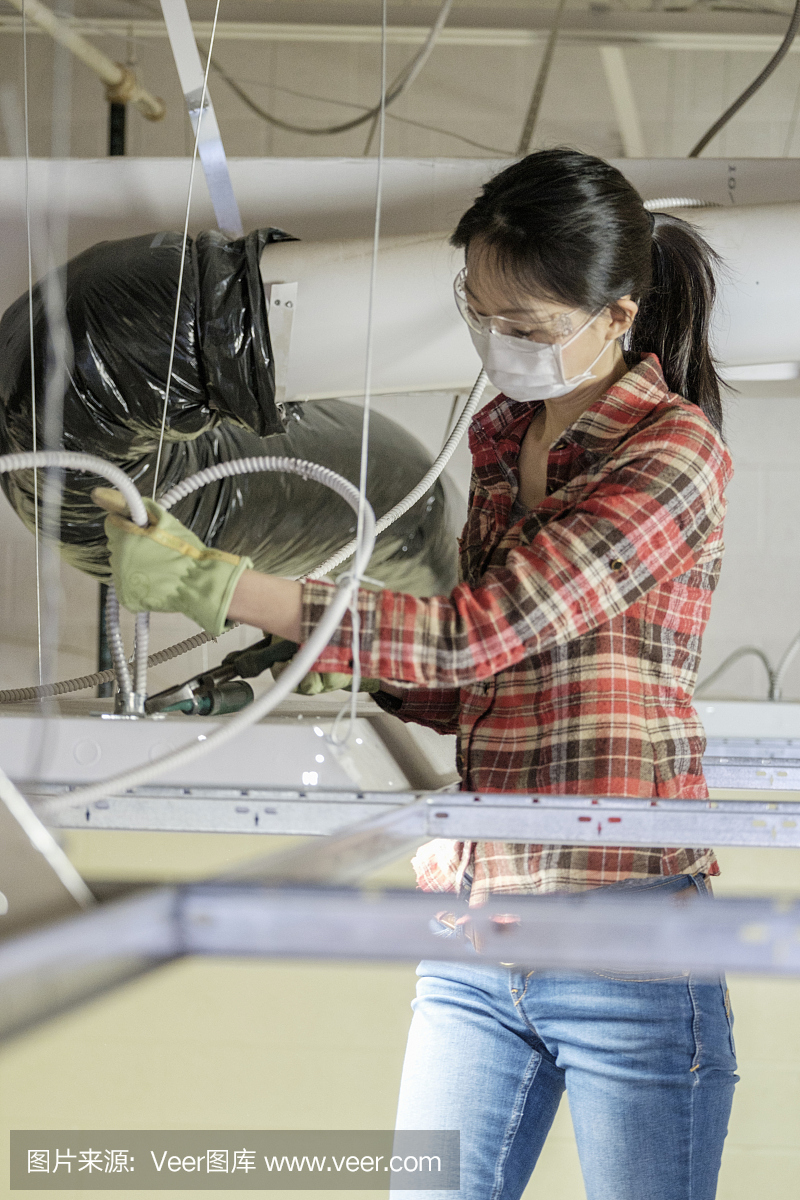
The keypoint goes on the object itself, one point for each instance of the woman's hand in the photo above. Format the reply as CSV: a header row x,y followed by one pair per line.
x,y
163,567
317,682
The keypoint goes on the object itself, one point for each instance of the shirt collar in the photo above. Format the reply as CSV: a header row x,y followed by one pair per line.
x,y
601,427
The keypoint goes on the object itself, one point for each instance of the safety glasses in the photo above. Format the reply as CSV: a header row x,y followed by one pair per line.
x,y
549,329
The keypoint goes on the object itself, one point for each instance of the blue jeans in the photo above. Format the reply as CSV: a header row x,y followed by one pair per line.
x,y
648,1063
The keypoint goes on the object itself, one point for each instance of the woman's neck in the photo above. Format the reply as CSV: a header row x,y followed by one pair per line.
x,y
562,412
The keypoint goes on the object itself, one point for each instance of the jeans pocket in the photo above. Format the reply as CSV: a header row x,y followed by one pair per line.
x,y
643,976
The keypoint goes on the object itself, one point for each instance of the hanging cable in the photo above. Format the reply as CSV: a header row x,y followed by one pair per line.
x,y
730,661
58,354
792,126
355,576
788,657
775,675
390,116
143,621
174,339
759,81
388,96
34,436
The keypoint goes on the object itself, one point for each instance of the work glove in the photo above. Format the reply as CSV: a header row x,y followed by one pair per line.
x,y
165,568
317,682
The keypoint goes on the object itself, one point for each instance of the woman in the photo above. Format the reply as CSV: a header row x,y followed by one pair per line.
x,y
565,661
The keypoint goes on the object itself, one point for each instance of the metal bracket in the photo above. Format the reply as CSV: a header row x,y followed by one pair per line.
x,y
281,304
209,146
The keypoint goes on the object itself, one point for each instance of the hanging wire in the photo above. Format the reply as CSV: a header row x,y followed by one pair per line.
x,y
368,356
790,132
142,638
390,116
775,675
399,85
751,89
35,434
58,358
184,243
788,657
730,661
271,119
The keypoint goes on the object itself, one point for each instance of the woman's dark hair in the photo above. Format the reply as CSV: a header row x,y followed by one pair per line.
x,y
570,227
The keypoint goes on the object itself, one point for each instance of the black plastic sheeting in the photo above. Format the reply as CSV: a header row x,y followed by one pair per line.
x,y
120,304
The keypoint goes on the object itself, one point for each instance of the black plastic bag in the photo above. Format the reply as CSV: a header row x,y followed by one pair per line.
x,y
120,302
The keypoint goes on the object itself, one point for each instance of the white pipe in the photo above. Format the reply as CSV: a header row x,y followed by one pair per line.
x,y
422,344
759,286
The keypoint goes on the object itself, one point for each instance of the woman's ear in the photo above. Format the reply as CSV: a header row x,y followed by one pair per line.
x,y
621,315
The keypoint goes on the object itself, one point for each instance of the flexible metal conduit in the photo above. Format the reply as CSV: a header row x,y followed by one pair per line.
x,y
83,682
677,202
299,666
92,465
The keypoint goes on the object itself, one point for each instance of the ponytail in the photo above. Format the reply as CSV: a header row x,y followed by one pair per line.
x,y
674,315
570,227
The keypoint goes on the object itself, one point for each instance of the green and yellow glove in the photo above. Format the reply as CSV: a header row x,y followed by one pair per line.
x,y
317,682
165,568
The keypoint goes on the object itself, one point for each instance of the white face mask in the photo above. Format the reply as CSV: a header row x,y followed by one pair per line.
x,y
525,370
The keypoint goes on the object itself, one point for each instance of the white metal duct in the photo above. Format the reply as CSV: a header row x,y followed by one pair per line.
x,y
421,343
760,286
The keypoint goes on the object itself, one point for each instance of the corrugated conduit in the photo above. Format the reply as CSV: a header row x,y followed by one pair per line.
x,y
83,682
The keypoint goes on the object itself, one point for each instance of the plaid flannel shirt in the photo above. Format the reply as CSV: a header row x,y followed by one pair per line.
x,y
566,659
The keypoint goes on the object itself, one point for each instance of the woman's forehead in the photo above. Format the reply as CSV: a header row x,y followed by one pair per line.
x,y
491,288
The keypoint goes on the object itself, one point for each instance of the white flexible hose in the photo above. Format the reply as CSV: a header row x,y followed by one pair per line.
x,y
299,666
83,682
424,485
73,461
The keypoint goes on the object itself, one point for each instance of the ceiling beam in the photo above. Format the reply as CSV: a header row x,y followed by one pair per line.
x,y
409,35
622,98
